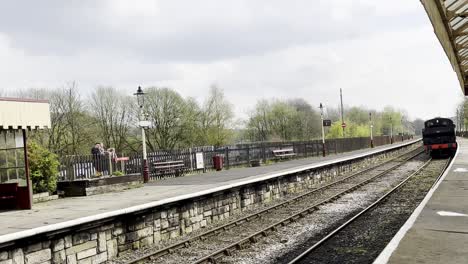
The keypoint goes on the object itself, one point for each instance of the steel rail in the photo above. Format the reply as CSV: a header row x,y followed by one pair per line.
x,y
185,243
212,258
355,217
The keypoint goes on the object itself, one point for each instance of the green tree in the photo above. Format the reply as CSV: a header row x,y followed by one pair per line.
x,y
258,125
44,168
358,115
391,121
167,110
335,130
192,133
282,120
306,122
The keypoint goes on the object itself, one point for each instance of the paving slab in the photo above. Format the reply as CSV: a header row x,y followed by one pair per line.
x,y
61,213
437,232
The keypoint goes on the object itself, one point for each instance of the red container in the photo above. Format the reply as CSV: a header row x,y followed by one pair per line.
x,y
218,162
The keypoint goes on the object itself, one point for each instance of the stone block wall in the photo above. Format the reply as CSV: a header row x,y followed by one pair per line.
x,y
99,242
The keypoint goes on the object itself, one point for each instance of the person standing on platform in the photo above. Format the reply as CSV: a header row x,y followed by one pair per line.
x,y
96,152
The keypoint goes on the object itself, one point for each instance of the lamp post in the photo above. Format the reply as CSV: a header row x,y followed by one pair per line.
x,y
343,125
141,100
402,129
391,130
323,130
371,128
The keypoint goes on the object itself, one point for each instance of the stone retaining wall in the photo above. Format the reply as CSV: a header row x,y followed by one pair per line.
x,y
101,241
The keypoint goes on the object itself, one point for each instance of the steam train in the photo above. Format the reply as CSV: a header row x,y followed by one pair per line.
x,y
439,137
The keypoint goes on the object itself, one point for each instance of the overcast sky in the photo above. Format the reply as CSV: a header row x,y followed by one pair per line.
x,y
379,52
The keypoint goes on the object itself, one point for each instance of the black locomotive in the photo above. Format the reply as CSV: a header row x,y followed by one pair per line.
x,y
439,136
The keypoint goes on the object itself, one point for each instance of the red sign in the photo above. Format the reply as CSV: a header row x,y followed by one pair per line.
x,y
343,125
122,159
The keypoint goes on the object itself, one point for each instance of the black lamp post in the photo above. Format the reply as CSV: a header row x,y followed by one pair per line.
x,y
141,100
391,130
323,130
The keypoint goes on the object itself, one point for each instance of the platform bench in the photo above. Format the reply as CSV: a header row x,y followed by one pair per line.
x,y
283,153
8,195
174,167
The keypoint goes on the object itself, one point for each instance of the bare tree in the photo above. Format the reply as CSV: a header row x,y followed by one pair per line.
x,y
112,111
69,121
216,118
34,93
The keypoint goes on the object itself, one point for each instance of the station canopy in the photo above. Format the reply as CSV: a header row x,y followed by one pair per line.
x,y
450,21
16,117
24,114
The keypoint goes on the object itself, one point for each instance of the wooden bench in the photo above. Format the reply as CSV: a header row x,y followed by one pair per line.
x,y
8,195
283,153
175,167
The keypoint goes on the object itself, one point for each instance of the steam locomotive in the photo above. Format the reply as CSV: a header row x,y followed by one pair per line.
x,y
439,137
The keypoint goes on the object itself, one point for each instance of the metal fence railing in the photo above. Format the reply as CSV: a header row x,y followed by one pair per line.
x,y
89,166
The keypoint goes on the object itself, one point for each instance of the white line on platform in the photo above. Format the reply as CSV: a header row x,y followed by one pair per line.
x,y
445,213
393,244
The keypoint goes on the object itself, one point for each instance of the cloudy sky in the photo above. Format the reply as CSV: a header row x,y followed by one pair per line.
x,y
379,52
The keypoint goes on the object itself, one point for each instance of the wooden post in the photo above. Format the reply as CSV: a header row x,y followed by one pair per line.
x,y
191,159
110,164
26,202
248,155
227,158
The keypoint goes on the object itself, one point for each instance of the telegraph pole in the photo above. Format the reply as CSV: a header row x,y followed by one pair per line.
x,y
323,130
343,125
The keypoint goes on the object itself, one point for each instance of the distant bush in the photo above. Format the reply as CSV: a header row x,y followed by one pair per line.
x,y
118,173
43,166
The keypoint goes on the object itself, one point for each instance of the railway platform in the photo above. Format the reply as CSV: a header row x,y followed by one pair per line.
x,y
76,210
98,228
437,231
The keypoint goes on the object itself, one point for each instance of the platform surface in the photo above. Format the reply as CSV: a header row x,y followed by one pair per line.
x,y
62,213
439,233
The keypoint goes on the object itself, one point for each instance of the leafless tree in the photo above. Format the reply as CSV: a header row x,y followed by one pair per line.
x,y
216,118
68,118
71,124
113,113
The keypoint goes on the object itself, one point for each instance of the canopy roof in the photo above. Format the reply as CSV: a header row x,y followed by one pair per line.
x,y
24,113
449,19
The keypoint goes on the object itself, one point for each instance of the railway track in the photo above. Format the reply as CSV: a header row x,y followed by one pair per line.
x,y
212,245
345,244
